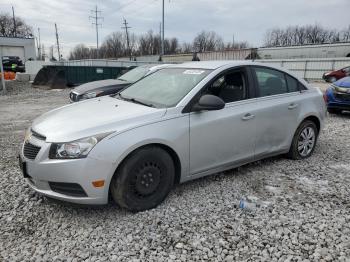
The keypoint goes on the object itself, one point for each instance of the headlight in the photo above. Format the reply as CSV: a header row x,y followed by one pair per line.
x,y
75,149
341,89
91,95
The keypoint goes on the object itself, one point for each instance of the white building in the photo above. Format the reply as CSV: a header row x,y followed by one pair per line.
x,y
21,47
305,51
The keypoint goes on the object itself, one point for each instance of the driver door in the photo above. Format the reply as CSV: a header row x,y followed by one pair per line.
x,y
224,138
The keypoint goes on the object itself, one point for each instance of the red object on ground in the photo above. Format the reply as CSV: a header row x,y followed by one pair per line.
x,y
8,75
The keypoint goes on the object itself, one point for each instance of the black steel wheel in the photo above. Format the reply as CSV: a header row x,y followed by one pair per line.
x,y
144,179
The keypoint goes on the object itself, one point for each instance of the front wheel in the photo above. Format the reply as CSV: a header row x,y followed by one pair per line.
x,y
304,141
144,179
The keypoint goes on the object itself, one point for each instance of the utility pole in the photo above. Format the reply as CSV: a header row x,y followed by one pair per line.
x,y
39,47
163,30
2,74
58,44
160,38
14,23
126,27
96,19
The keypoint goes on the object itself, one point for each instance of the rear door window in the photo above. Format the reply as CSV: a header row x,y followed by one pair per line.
x,y
270,81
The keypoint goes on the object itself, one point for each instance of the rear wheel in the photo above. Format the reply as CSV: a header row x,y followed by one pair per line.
x,y
304,141
144,179
333,111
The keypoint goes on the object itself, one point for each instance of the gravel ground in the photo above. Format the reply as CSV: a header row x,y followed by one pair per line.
x,y
307,218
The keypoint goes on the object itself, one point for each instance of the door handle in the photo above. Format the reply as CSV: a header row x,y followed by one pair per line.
x,y
292,106
248,117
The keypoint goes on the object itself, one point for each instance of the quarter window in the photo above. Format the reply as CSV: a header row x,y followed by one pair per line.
x,y
270,82
292,84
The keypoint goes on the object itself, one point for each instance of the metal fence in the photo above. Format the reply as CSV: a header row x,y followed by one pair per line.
x,y
104,63
309,69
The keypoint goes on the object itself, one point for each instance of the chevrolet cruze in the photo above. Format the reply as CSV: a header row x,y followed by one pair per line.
x,y
180,123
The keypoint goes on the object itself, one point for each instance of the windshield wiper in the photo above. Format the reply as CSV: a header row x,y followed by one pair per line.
x,y
121,79
135,101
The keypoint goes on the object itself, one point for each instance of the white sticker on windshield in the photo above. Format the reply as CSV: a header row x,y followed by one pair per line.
x,y
194,72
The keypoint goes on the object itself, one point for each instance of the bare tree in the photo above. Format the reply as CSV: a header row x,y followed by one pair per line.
x,y
114,46
186,48
300,35
81,51
8,29
208,41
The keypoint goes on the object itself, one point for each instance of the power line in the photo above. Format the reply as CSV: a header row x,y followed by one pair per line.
x,y
58,44
126,27
96,17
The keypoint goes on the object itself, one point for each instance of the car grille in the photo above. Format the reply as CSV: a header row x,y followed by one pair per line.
x,y
38,136
340,96
69,189
30,151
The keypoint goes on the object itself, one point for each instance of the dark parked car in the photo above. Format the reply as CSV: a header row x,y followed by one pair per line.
x,y
336,75
13,63
112,86
338,96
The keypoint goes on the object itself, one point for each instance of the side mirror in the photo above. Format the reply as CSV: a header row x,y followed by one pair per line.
x,y
209,102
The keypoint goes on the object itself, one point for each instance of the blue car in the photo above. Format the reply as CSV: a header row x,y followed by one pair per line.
x,y
337,96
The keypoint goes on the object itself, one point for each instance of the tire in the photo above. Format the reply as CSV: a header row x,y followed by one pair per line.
x,y
300,153
144,179
333,111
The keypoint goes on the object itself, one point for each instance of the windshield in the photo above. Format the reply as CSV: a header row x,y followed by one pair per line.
x,y
166,87
134,74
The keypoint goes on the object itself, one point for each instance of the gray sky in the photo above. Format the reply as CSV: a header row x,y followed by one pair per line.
x,y
247,20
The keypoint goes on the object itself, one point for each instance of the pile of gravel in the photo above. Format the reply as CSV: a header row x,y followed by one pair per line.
x,y
307,218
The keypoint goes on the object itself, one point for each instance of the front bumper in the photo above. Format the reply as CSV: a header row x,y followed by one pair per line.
x,y
335,103
42,171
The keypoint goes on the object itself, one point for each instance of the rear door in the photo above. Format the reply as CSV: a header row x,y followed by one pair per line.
x,y
224,137
277,109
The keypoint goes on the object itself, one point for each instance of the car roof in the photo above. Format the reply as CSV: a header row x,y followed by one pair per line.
x,y
159,66
213,64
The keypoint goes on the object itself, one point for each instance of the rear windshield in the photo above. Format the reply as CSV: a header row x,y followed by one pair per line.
x,y
134,74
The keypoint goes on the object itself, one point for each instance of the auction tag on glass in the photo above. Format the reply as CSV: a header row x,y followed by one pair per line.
x,y
194,72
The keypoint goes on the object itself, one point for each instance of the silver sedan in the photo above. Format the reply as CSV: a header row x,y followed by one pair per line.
x,y
180,123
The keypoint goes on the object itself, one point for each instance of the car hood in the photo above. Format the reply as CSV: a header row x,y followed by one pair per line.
x,y
344,82
92,117
95,85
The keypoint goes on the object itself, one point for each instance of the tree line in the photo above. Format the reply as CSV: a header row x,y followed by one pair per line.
x,y
115,45
308,34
